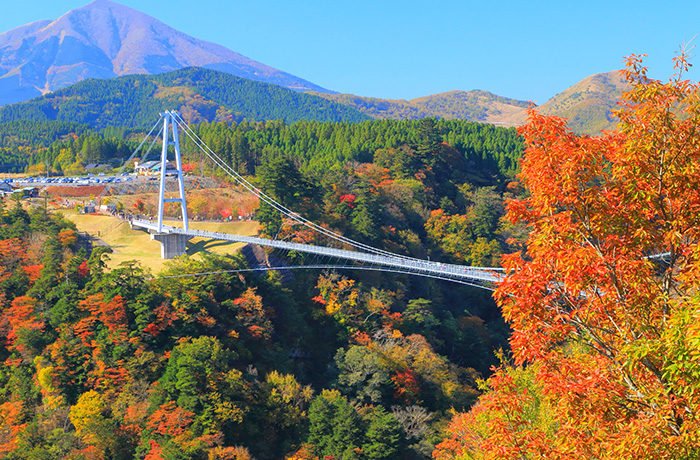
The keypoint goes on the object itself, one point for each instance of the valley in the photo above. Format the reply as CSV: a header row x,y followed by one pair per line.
x,y
504,297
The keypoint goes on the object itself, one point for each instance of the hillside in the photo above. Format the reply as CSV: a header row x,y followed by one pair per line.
x,y
474,105
199,94
208,95
205,358
105,40
588,104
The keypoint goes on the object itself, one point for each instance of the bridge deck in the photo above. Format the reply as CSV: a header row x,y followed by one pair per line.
x,y
460,272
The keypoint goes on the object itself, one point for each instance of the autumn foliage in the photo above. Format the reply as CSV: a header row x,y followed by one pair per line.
x,y
210,359
22,317
604,335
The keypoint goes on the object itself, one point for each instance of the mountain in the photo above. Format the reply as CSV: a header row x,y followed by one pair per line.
x,y
589,103
105,40
469,105
208,95
199,94
475,105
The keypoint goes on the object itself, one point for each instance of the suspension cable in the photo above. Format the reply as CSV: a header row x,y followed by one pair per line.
x,y
270,201
141,145
323,267
121,170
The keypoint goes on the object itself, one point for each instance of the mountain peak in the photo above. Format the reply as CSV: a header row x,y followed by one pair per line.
x,y
588,104
100,4
105,39
103,3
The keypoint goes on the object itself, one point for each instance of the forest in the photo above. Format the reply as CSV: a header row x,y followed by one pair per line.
x,y
588,348
135,101
490,154
126,363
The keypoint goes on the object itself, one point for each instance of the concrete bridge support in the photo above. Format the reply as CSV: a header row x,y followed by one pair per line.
x,y
171,244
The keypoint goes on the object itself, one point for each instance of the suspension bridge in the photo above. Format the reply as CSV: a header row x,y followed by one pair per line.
x,y
174,239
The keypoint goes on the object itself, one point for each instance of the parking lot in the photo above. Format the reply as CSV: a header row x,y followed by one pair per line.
x,y
84,180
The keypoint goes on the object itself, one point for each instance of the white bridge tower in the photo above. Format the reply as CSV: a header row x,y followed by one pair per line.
x,y
171,244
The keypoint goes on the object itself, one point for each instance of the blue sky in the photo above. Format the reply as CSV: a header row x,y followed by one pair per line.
x,y
528,50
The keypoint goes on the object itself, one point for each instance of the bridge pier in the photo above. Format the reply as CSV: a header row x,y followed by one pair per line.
x,y
171,244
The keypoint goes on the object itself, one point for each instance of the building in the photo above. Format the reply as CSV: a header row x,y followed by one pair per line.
x,y
152,168
30,192
145,168
103,166
6,189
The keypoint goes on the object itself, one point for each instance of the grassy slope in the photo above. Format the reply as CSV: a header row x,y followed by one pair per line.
x,y
136,245
469,105
588,104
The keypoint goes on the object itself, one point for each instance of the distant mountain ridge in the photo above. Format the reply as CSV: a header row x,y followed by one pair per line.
x,y
208,95
105,40
199,94
588,105
473,105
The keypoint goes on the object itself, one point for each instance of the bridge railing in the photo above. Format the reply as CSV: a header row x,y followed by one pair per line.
x,y
481,274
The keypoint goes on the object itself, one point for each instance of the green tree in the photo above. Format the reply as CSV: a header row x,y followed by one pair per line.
x,y
427,139
383,436
335,428
281,179
363,375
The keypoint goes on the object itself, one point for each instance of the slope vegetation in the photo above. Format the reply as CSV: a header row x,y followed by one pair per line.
x,y
200,94
474,105
588,104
